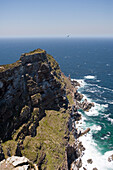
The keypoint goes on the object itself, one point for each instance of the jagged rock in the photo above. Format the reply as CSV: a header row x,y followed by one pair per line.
x,y
2,156
17,163
72,154
32,130
110,158
75,83
78,96
84,132
89,161
33,81
77,116
35,99
18,150
25,112
8,152
86,105
76,164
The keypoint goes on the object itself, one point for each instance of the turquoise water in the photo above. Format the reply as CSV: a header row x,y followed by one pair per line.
x,y
86,59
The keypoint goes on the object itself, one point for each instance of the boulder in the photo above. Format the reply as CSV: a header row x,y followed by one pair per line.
x,y
75,83
89,161
110,158
78,96
84,132
77,164
86,105
17,163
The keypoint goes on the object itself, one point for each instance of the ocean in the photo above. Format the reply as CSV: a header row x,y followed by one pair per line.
x,y
90,61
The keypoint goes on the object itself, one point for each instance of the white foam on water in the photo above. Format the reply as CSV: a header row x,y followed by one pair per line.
x,y
81,82
107,65
106,116
105,88
111,102
110,119
91,151
98,80
97,109
96,128
99,161
90,77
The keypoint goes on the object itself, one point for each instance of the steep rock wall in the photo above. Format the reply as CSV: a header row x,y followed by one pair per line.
x,y
33,83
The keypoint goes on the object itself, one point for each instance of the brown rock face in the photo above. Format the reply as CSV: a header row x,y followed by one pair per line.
x,y
35,82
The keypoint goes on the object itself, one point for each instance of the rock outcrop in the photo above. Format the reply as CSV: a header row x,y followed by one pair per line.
x,y
32,82
17,163
34,112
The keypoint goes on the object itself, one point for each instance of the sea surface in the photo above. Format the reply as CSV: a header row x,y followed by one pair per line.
x,y
90,61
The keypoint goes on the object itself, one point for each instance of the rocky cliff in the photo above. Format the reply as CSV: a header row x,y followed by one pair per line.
x,y
35,112
34,81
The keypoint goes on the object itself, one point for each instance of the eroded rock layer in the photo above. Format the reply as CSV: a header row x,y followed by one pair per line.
x,y
32,82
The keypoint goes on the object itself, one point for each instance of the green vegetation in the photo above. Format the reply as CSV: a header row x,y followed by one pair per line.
x,y
9,146
9,66
35,51
69,89
50,140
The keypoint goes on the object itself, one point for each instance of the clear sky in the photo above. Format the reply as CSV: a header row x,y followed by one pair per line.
x,y
34,18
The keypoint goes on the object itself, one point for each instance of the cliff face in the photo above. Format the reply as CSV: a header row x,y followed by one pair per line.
x,y
37,119
27,88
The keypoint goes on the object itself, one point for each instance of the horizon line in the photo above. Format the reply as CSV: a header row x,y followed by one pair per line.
x,y
66,36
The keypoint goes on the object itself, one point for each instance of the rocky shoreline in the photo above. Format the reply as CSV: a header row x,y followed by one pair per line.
x,y
75,118
88,162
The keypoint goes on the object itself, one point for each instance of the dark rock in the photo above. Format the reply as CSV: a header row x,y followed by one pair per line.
x,y
75,83
18,150
41,160
33,81
84,132
2,156
110,158
89,161
78,96
72,154
77,164
86,106
8,152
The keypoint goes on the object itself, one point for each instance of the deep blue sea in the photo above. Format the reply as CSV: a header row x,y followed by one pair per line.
x,y
90,61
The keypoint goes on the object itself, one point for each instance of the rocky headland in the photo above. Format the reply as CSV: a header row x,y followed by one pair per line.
x,y
38,115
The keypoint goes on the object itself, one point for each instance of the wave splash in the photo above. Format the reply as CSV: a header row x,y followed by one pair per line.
x,y
90,77
99,160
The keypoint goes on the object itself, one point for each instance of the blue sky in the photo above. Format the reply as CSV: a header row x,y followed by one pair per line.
x,y
44,18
